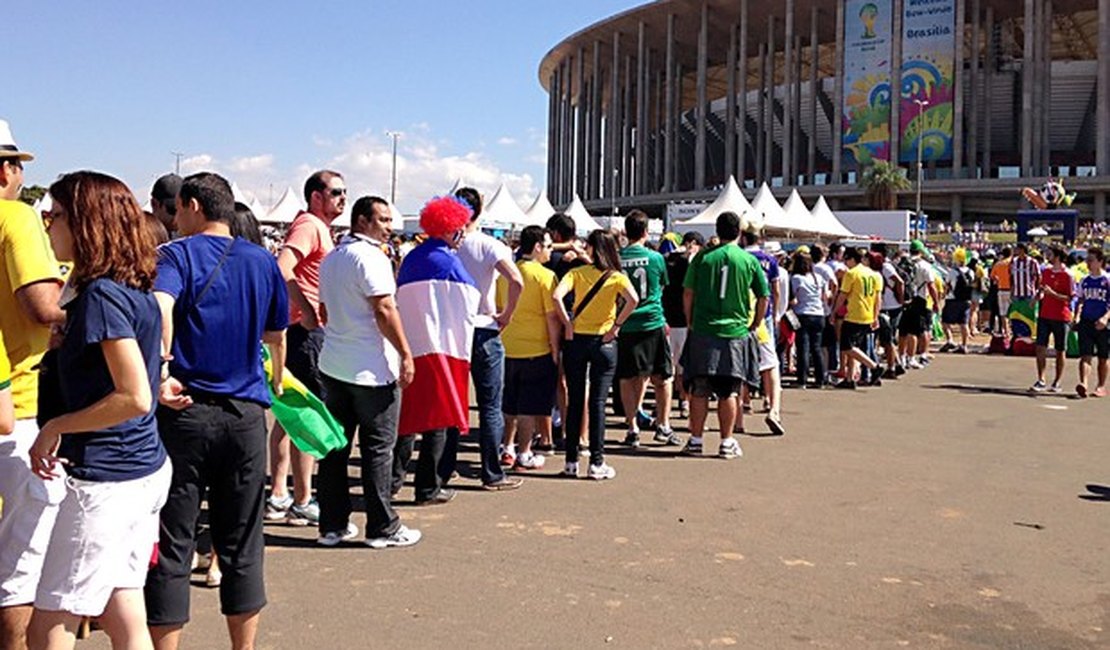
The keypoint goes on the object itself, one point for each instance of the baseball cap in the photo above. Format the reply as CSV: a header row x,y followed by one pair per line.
x,y
918,246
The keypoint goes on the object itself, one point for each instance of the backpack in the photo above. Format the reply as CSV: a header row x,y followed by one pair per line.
x,y
904,267
962,291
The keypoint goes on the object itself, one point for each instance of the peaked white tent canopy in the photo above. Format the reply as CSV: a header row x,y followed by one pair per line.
x,y
45,204
583,222
541,210
257,208
286,209
731,199
774,217
239,195
502,211
459,184
798,218
825,221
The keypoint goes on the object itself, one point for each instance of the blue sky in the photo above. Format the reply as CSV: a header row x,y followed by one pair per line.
x,y
267,92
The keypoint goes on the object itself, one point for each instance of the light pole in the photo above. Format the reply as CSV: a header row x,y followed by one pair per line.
x,y
393,173
921,104
613,194
177,162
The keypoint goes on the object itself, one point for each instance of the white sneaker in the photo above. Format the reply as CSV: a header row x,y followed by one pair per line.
x,y
730,449
337,537
914,364
277,509
404,536
692,448
602,472
529,460
570,470
1055,388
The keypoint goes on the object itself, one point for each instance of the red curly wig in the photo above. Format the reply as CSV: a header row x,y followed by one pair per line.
x,y
444,215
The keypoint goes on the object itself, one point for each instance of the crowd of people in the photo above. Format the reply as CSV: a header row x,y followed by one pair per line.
x,y
133,390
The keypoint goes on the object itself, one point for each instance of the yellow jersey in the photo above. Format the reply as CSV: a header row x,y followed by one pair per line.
x,y
599,316
526,335
862,288
25,258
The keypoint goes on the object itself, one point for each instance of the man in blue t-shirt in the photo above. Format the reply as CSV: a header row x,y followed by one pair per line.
x,y
1093,318
220,298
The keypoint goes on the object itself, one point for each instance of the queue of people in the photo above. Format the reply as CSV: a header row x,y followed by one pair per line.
x,y
132,388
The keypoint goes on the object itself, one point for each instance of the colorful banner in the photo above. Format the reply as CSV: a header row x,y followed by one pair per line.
x,y
928,74
868,28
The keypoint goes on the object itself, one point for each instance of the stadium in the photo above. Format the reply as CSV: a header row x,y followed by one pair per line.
x,y
663,103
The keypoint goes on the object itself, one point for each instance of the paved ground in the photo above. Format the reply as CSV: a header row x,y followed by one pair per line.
x,y
947,510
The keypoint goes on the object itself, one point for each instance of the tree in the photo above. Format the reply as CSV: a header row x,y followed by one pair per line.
x,y
881,181
30,195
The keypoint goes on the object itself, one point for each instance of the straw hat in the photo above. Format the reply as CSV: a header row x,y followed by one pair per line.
x,y
8,148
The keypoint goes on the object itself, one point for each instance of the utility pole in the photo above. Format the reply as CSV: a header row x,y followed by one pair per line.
x,y
921,104
177,161
393,183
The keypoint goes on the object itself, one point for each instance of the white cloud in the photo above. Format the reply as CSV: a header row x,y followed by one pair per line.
x,y
424,168
506,141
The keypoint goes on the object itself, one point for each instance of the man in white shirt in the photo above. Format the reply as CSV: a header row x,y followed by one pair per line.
x,y
485,258
365,364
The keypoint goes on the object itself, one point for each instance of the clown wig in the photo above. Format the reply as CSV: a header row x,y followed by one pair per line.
x,y
444,215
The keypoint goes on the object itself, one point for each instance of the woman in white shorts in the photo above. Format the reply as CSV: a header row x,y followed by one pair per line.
x,y
116,472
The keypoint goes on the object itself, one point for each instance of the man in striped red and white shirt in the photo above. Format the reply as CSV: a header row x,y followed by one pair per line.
x,y
1025,274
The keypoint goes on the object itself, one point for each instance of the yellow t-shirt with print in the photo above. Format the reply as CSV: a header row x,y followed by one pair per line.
x,y
5,366
862,288
526,335
598,316
25,258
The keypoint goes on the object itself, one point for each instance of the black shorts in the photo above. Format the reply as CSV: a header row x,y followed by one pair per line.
x,y
719,385
1058,329
955,312
218,446
643,354
888,325
303,357
529,386
854,335
1093,341
828,335
917,318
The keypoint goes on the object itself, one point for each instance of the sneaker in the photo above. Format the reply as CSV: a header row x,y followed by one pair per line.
x,y
508,457
570,470
404,536
1055,388
530,460
947,347
876,380
666,436
306,515
439,498
682,408
890,374
632,439
214,577
961,350
1099,392
775,425
277,509
845,384
693,447
644,420
914,364
601,472
1081,390
506,483
899,370
730,449
1038,387
337,537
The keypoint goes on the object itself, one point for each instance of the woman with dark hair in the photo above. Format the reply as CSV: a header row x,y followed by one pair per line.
x,y
591,344
245,225
116,470
809,293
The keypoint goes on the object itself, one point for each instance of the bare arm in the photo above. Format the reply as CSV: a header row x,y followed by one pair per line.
x,y
688,306
39,301
388,319
172,392
512,275
275,341
630,302
561,291
130,398
7,412
554,334
841,298
287,261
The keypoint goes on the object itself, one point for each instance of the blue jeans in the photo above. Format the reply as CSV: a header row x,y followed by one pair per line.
x,y
587,355
487,370
809,347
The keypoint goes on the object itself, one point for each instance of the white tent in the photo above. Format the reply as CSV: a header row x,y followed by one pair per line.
x,y
459,184
285,210
45,204
825,222
583,222
257,208
541,210
731,199
239,195
774,217
798,217
502,212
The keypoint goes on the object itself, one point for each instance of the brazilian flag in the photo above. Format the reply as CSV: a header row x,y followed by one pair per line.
x,y
303,416
1023,324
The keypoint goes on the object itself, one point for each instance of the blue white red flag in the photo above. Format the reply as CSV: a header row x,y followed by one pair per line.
x,y
438,301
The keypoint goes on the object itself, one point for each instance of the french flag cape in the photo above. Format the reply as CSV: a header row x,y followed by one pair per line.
x,y
437,300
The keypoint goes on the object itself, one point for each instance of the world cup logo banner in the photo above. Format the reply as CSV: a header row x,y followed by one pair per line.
x,y
867,67
928,79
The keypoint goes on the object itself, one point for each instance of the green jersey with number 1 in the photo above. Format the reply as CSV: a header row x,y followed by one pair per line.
x,y
723,281
648,272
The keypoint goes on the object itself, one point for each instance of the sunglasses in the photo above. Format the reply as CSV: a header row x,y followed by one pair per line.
x,y
336,192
